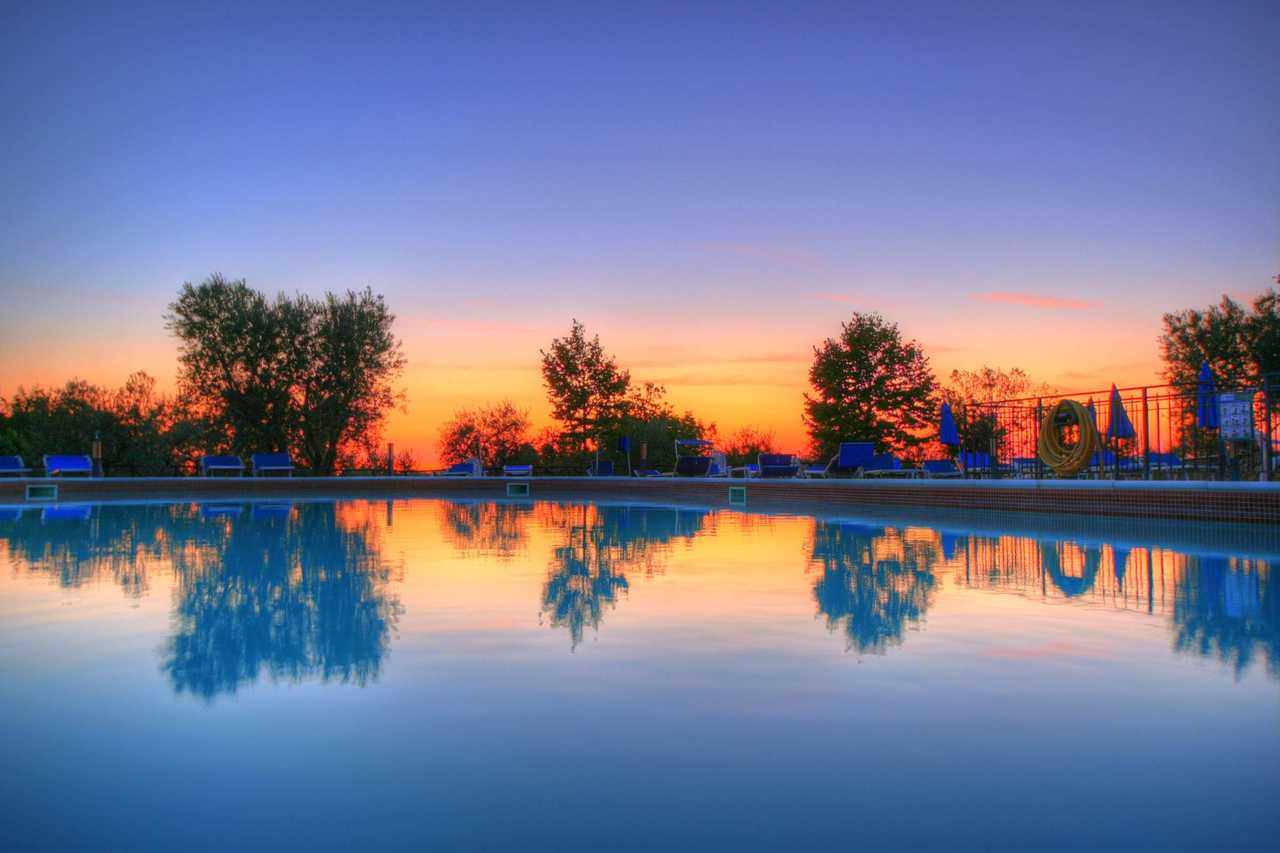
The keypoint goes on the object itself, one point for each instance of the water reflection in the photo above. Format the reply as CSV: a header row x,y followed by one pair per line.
x,y
301,591
599,544
291,591
875,582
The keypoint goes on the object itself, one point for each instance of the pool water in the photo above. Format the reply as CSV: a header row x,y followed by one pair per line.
x,y
521,675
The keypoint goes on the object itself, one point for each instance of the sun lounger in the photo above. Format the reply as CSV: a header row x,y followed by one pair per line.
x,y
266,463
59,465
886,465
778,465
719,466
209,464
692,466
853,458
13,465
467,468
937,468
601,468
517,470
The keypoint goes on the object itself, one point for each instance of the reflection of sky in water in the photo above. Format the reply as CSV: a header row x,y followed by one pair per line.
x,y
728,678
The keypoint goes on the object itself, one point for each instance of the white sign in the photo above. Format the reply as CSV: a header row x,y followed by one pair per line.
x,y
1235,416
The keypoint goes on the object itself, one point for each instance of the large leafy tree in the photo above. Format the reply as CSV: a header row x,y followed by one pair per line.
x,y
314,376
498,433
587,389
869,385
1240,342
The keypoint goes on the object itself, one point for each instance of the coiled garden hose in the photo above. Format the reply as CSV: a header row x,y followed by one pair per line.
x,y
1067,461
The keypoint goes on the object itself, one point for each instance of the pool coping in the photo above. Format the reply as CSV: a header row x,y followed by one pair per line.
x,y
1212,501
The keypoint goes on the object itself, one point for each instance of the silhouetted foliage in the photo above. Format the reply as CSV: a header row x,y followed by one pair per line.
x,y
1239,343
313,376
970,394
142,431
499,434
869,385
746,445
586,387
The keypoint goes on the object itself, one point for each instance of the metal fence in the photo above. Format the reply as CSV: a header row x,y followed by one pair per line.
x,y
1000,438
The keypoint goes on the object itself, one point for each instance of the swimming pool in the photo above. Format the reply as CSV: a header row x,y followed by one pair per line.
x,y
532,675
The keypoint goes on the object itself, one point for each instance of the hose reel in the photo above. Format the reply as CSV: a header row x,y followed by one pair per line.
x,y
1067,460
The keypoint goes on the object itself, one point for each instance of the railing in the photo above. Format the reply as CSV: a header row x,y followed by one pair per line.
x,y
1167,440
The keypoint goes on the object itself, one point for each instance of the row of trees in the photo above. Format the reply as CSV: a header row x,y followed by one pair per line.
x,y
315,377
867,383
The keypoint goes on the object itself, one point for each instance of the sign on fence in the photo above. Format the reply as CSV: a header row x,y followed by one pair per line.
x,y
1235,416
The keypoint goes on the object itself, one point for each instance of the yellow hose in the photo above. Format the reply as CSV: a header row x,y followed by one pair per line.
x,y
1067,461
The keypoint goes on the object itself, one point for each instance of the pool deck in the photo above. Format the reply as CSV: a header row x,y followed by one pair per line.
x,y
1253,503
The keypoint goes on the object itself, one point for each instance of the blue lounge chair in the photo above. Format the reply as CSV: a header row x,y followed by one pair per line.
x,y
57,465
264,463
778,465
885,465
853,458
940,468
467,468
209,464
517,470
975,461
693,466
719,465
751,469
696,464
601,468
813,469
13,465
648,472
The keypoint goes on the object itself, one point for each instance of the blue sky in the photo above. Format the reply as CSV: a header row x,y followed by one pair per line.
x,y
699,185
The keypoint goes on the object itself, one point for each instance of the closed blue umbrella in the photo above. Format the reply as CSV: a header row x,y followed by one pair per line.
x,y
947,432
1206,399
1120,426
1093,411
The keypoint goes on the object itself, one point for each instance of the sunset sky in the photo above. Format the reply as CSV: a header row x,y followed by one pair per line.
x,y
711,189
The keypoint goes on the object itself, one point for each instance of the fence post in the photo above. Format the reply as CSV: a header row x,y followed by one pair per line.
x,y
1036,433
1267,449
391,460
1146,437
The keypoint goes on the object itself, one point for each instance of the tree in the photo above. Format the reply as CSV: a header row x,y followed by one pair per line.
x,y
1240,344
970,394
312,376
746,445
587,389
869,385
498,433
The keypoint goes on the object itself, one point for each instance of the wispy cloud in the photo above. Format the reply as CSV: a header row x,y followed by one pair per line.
x,y
708,378
1033,300
699,359
781,256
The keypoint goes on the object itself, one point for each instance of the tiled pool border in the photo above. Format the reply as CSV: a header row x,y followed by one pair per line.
x,y
1253,503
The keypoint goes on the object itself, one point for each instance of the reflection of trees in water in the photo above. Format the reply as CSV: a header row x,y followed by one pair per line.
x,y
293,592
487,528
600,544
78,545
295,596
1230,610
874,582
